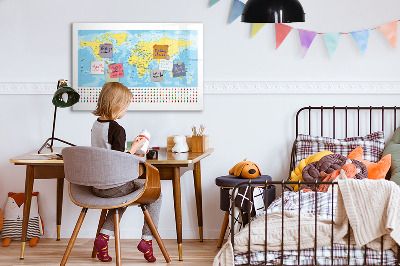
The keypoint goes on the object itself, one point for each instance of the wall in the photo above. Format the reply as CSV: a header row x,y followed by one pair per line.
x,y
36,48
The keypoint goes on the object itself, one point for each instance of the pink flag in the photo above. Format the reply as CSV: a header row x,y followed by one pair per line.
x,y
281,31
389,30
306,39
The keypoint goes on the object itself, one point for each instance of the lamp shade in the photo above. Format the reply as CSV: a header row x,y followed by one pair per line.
x,y
273,11
65,96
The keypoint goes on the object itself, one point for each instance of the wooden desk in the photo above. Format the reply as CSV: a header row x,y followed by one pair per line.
x,y
171,167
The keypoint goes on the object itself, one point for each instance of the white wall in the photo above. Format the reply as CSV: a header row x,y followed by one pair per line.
x,y
35,40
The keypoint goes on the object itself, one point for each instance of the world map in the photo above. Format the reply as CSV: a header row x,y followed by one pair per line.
x,y
135,50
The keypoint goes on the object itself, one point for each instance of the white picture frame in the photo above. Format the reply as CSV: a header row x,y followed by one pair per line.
x,y
174,93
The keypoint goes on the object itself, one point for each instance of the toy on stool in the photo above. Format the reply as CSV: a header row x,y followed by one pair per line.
x,y
245,169
13,215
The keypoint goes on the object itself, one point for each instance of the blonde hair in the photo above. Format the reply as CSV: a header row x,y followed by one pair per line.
x,y
113,98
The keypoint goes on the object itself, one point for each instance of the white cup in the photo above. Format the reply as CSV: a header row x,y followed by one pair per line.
x,y
144,134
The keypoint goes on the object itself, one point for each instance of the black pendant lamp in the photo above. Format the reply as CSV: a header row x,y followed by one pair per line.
x,y
273,11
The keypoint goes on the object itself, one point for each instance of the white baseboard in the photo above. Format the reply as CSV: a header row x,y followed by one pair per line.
x,y
247,87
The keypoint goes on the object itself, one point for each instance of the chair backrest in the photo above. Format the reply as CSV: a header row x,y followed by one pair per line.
x,y
92,166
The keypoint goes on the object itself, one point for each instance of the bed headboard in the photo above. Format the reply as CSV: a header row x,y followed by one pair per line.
x,y
344,121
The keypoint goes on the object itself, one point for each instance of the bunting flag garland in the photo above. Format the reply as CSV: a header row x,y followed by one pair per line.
x,y
361,37
281,31
389,30
332,41
213,2
306,39
237,9
256,27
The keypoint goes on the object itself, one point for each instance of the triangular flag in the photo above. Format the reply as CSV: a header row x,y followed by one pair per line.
x,y
256,27
390,32
332,41
281,31
237,9
213,2
306,39
361,37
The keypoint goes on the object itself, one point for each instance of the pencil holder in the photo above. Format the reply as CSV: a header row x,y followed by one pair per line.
x,y
200,143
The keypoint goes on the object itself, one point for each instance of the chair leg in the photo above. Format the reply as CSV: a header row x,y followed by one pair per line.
x,y
117,238
73,237
154,230
223,229
101,222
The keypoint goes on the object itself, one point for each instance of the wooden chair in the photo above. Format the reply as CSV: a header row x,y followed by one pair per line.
x,y
85,167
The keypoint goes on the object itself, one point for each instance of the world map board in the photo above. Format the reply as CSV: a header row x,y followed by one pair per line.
x,y
160,63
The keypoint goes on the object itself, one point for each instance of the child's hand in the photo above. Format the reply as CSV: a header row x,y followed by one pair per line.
x,y
137,144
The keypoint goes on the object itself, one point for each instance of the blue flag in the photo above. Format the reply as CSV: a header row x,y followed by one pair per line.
x,y
213,2
332,41
237,9
361,38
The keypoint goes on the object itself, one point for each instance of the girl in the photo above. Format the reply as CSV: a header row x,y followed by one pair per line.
x,y
112,104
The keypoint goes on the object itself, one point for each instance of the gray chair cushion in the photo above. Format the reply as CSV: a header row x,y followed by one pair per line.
x,y
84,196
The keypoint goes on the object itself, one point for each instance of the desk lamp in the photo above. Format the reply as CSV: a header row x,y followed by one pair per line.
x,y
273,11
63,97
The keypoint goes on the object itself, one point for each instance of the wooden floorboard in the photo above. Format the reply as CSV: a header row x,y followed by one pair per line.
x,y
50,252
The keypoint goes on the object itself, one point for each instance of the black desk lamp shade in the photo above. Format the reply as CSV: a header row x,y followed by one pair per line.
x,y
59,99
63,97
273,11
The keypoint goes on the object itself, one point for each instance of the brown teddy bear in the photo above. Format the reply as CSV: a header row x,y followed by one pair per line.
x,y
245,169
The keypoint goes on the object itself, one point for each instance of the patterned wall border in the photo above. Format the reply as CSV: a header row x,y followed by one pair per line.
x,y
251,87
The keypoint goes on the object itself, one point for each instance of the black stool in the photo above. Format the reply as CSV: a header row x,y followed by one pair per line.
x,y
226,183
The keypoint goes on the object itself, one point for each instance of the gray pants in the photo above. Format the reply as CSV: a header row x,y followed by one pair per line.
x,y
154,208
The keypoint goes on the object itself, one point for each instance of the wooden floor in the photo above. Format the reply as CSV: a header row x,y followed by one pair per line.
x,y
50,252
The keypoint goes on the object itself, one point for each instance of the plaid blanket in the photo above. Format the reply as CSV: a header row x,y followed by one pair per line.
x,y
340,254
323,205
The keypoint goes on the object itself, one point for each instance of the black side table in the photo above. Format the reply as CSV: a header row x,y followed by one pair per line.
x,y
226,183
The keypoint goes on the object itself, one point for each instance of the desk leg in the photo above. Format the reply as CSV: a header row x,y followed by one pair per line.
x,y
176,182
60,190
199,204
27,206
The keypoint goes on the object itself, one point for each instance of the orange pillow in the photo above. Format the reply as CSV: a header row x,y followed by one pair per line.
x,y
375,170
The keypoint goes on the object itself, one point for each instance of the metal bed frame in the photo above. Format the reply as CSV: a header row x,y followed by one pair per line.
x,y
284,184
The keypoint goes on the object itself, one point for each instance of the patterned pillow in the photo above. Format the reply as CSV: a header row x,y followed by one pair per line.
x,y
372,144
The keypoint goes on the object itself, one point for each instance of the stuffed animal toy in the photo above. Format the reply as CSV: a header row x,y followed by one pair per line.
x,y
245,169
180,144
13,215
